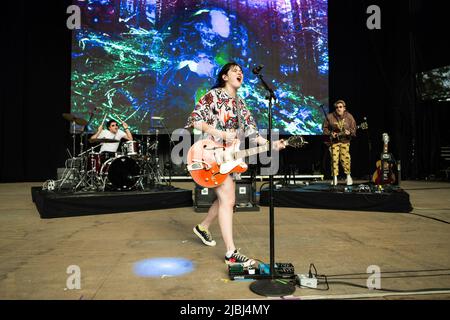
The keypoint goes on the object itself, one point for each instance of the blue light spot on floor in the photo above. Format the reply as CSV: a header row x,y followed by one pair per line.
x,y
159,267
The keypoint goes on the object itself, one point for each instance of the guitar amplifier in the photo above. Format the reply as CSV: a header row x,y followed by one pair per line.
x,y
244,195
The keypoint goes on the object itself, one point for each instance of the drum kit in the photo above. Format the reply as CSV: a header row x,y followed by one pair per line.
x,y
134,166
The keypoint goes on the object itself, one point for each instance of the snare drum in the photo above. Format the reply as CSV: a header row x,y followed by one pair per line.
x,y
132,148
121,173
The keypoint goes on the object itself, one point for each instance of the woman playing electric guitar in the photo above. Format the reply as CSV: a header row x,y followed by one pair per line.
x,y
221,114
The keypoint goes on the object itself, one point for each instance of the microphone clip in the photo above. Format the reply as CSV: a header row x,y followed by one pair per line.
x,y
257,70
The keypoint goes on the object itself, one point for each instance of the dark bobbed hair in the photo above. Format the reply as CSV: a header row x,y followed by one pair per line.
x,y
220,83
110,122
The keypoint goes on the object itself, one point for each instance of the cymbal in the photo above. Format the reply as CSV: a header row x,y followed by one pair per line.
x,y
103,141
70,117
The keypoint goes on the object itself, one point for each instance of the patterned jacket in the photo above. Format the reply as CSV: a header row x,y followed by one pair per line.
x,y
220,110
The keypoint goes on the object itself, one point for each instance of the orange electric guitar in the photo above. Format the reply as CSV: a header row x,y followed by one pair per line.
x,y
209,162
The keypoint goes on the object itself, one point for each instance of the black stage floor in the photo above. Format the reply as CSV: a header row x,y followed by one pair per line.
x,y
341,197
51,204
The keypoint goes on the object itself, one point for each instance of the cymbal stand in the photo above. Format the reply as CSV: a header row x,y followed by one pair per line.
x,y
74,137
147,164
150,164
81,141
89,179
71,170
147,146
157,177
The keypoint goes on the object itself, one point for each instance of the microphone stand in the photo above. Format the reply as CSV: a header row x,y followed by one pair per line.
x,y
270,286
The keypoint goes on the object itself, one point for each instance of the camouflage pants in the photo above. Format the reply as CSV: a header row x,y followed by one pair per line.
x,y
340,151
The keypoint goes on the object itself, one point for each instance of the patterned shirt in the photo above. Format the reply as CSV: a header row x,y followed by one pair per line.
x,y
220,110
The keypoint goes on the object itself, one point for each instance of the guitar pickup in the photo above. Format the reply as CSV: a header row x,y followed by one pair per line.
x,y
198,166
195,166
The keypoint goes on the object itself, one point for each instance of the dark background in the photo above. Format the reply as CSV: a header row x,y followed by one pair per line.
x,y
372,70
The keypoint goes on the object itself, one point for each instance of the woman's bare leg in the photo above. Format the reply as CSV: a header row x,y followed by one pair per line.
x,y
211,216
226,199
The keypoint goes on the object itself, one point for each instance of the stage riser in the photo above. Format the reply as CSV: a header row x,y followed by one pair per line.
x,y
57,205
395,201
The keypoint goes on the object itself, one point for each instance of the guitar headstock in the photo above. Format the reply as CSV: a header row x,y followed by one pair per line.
x,y
385,138
295,141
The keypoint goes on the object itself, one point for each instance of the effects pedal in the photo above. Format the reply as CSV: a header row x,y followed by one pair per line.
x,y
261,270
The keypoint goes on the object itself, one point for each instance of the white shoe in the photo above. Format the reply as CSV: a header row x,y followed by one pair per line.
x,y
334,182
349,180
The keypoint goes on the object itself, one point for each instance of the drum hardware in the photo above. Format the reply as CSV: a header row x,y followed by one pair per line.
x,y
71,173
162,124
74,121
77,170
150,160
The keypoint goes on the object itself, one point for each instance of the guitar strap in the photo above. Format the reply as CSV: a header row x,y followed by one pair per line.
x,y
339,122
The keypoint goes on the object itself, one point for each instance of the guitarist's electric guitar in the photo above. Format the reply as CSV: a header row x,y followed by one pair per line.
x,y
384,174
210,162
341,134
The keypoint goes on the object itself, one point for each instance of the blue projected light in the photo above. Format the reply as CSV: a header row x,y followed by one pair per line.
x,y
158,267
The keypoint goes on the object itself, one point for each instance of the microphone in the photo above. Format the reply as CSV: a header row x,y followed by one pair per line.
x,y
257,70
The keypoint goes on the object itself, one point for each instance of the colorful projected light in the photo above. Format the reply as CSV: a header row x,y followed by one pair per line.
x,y
136,59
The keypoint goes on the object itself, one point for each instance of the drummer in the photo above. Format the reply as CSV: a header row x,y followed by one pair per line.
x,y
113,133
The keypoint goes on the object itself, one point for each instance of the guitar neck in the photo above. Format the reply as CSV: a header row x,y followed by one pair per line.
x,y
251,151
361,126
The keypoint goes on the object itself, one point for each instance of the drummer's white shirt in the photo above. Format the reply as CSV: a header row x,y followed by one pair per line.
x,y
106,134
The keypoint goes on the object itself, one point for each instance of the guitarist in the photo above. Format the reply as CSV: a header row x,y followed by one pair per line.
x,y
223,116
340,127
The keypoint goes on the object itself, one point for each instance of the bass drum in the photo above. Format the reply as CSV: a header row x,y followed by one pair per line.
x,y
120,173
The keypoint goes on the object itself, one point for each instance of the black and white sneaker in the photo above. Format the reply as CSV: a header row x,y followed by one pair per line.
x,y
237,257
204,235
